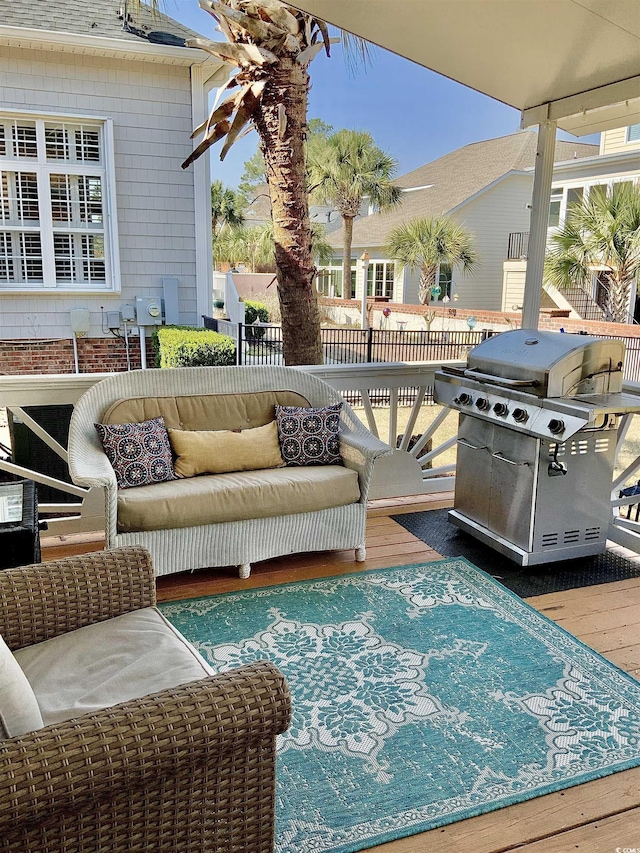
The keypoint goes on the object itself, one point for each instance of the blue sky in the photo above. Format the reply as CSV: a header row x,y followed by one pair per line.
x,y
412,113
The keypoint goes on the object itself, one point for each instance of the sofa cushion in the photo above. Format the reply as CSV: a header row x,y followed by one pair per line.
x,y
19,710
205,411
222,451
140,453
217,498
309,436
109,662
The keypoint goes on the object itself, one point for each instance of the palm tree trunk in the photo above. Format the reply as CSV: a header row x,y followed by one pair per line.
x,y
619,292
347,239
281,124
427,281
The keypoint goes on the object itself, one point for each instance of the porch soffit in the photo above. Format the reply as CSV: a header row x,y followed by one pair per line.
x,y
525,53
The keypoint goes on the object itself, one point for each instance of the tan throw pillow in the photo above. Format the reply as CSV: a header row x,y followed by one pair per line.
x,y
223,451
19,710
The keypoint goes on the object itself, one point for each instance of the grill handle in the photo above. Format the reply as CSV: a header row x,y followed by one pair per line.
x,y
472,373
472,446
502,458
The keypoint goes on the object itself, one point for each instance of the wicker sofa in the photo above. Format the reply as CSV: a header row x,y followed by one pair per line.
x,y
189,769
329,502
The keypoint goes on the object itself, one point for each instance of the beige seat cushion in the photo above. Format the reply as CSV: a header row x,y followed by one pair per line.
x,y
222,451
19,710
204,411
109,662
216,498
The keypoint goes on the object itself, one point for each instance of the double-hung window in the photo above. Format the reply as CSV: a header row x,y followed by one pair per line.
x,y
380,278
55,205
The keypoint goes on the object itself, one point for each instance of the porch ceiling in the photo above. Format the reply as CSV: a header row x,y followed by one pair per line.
x,y
579,57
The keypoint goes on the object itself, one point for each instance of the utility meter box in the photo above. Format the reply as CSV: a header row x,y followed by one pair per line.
x,y
148,312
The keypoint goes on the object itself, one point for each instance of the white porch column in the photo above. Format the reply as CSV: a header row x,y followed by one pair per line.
x,y
539,223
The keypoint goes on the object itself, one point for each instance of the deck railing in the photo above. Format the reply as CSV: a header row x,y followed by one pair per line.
x,y
423,435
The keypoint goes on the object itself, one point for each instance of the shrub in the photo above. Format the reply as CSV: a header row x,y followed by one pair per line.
x,y
255,311
185,346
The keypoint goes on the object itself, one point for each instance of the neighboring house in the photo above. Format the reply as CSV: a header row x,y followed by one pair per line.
x,y
95,120
258,211
486,186
618,160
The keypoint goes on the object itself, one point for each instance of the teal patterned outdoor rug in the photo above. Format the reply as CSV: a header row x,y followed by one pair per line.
x,y
422,695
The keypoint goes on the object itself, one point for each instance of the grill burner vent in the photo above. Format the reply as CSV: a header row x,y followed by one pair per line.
x,y
571,537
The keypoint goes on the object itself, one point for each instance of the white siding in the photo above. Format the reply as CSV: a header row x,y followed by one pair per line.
x,y
150,105
615,142
513,285
491,217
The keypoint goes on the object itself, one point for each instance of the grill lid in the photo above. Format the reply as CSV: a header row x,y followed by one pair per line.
x,y
549,364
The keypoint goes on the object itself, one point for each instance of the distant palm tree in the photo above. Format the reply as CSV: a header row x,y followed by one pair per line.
x,y
425,243
226,208
601,235
346,168
255,246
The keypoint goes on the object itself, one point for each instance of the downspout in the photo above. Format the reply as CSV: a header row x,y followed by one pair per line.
x,y
202,81
540,201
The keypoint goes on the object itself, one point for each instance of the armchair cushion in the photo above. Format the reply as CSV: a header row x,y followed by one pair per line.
x,y
139,453
104,664
19,711
224,451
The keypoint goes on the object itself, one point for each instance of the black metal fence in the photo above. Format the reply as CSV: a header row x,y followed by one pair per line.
x,y
632,356
262,344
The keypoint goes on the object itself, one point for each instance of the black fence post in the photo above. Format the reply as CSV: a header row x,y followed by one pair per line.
x,y
369,344
239,344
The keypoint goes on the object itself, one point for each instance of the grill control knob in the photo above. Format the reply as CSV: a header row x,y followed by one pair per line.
x,y
520,416
501,409
556,426
482,403
465,399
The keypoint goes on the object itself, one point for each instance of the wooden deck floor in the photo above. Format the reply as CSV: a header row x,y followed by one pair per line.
x,y
597,817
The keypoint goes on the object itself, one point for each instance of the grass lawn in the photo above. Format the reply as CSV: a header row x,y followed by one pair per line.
x,y
629,451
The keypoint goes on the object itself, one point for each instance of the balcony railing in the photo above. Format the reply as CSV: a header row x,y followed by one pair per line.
x,y
518,247
423,435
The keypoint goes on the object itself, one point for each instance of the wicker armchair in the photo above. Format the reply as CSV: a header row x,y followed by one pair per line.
x,y
187,769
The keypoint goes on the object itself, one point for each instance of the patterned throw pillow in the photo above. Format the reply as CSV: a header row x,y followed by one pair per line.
x,y
139,453
309,436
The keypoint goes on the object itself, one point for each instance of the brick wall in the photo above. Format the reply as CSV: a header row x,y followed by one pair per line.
x,y
95,355
551,320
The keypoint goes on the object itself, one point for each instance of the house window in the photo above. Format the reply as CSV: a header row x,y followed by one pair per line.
x,y
445,279
54,203
633,133
380,279
329,281
574,196
598,189
554,207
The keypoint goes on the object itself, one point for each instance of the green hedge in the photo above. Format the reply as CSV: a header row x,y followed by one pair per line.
x,y
186,346
255,311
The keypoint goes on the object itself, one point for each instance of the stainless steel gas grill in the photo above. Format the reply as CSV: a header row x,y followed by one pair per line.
x,y
539,416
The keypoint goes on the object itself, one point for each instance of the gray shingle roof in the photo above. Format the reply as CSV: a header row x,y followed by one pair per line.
x,y
88,17
454,178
